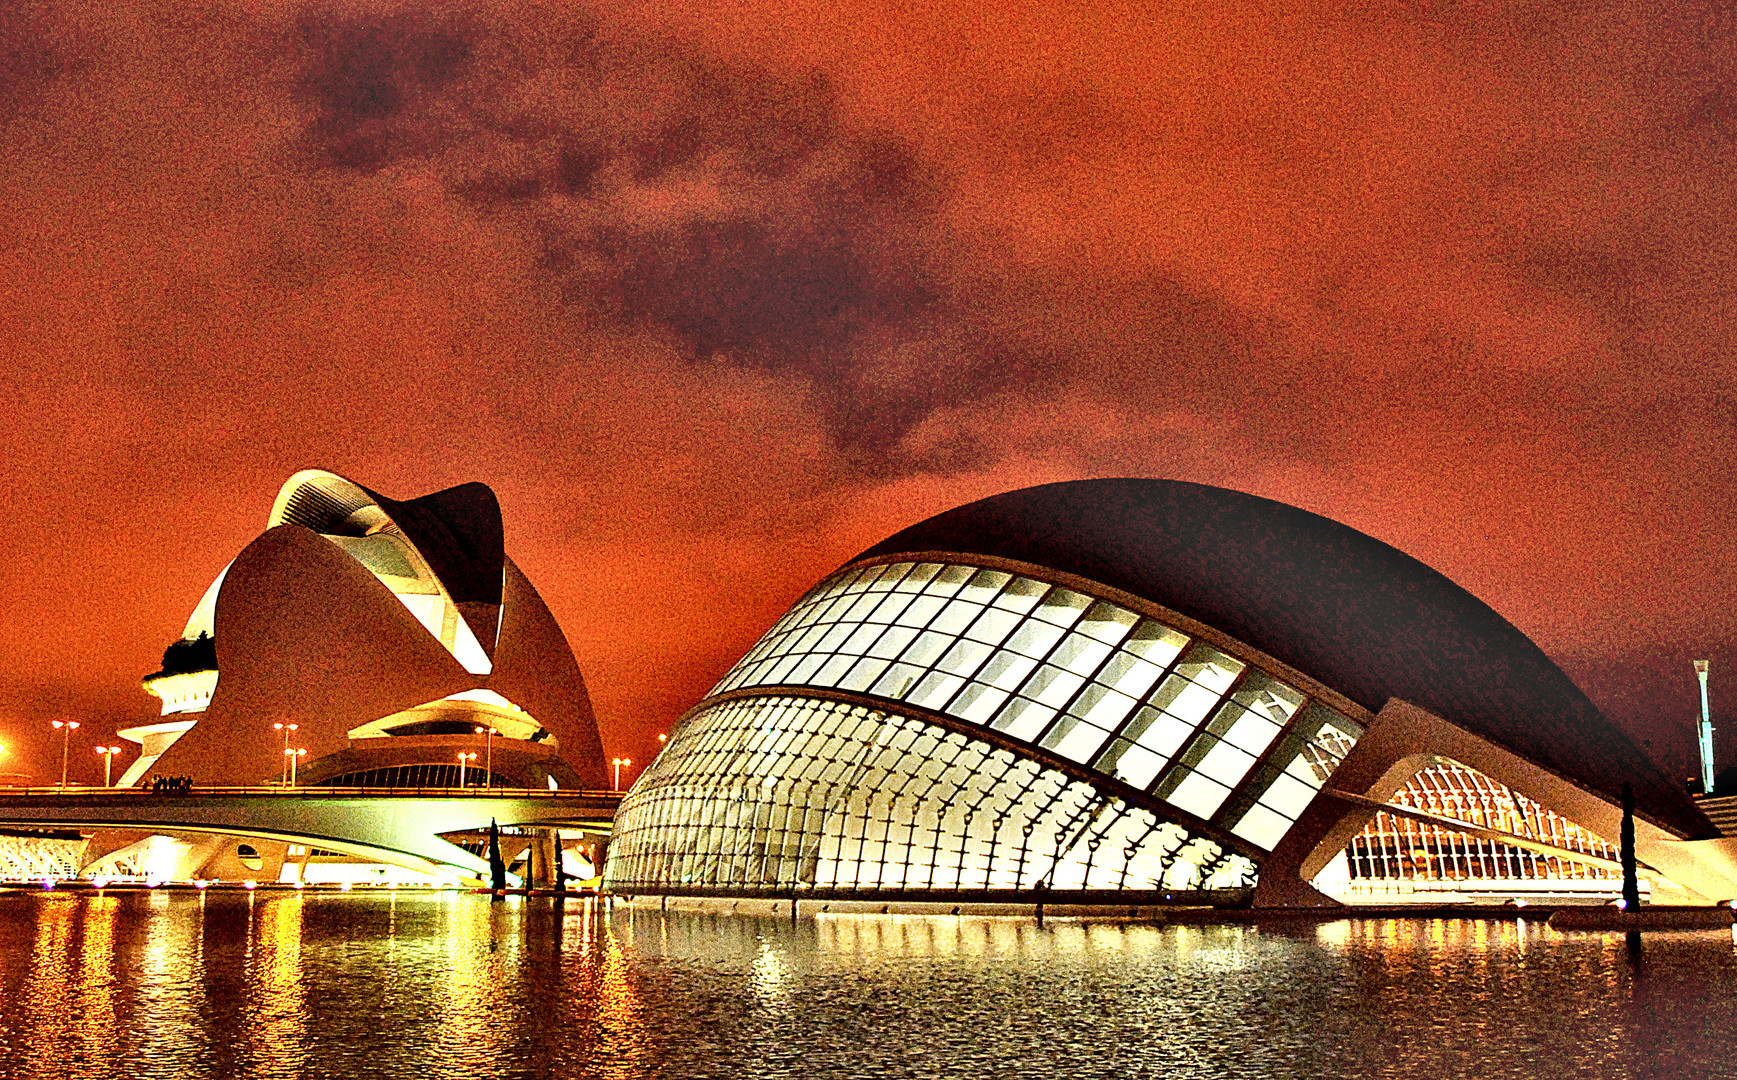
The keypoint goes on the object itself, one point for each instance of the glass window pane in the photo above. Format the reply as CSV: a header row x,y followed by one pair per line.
x,y
1210,668
1102,706
1106,622
1130,764
834,637
862,674
860,639
1288,795
1184,700
1075,740
889,644
925,648
808,638
889,608
1052,685
860,607
992,626
1158,732
984,585
1262,827
1269,697
1006,670
956,616
1242,728
934,689
833,670
1219,760
950,578
977,702
1197,795
1129,674
920,611
780,670
964,657
804,671
1155,642
875,573
1021,595
1034,638
919,576
1022,718
896,681
1080,654
1062,607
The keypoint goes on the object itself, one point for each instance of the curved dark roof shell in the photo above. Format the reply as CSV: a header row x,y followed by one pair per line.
x,y
1359,615
457,529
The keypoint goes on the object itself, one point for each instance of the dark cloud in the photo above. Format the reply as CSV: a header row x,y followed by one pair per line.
x,y
373,83
729,211
31,56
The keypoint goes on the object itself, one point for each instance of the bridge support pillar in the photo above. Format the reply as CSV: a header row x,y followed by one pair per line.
x,y
543,861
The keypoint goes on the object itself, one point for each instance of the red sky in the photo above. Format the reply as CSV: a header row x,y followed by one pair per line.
x,y
715,295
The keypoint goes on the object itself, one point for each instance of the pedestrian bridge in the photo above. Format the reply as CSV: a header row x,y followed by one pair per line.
x,y
401,826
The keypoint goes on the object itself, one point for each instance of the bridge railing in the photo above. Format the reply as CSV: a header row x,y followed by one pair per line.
x,y
315,792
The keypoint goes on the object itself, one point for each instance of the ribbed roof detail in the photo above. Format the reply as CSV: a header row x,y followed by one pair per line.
x,y
1354,613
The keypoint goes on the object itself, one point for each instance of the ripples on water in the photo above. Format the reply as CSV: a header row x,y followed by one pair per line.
x,y
176,985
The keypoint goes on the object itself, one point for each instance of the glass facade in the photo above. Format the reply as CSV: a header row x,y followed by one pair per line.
x,y
783,792
1399,848
1073,674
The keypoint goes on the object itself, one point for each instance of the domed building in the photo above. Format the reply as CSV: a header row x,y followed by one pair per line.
x,y
393,636
1121,688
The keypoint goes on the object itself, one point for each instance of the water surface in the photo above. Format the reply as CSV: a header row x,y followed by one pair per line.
x,y
335,986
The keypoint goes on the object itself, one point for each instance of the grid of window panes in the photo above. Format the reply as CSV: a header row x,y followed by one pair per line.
x,y
1077,675
422,775
783,792
1393,847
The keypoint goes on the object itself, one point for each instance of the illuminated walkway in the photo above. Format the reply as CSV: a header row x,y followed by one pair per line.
x,y
403,827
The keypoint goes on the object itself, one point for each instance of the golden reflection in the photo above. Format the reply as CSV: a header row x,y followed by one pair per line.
x,y
277,1008
51,970
1335,935
771,973
482,941
93,989
621,1020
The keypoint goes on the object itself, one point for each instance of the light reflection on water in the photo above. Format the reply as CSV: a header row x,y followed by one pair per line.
x,y
151,984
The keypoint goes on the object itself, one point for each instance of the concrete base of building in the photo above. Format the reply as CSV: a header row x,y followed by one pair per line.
x,y
813,909
1646,918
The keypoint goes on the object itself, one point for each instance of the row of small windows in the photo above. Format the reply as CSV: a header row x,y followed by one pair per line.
x,y
426,775
1074,674
778,792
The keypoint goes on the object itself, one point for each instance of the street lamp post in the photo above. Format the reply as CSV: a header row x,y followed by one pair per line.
x,y
488,735
462,758
108,753
293,756
286,729
618,763
65,727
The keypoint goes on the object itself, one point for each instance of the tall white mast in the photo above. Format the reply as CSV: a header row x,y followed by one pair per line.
x,y
1706,731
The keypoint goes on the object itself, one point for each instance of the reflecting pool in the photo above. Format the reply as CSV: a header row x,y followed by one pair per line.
x,y
178,985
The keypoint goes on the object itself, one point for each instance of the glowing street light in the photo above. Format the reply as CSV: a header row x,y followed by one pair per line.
x,y
618,763
293,757
462,758
65,727
286,729
108,753
488,735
